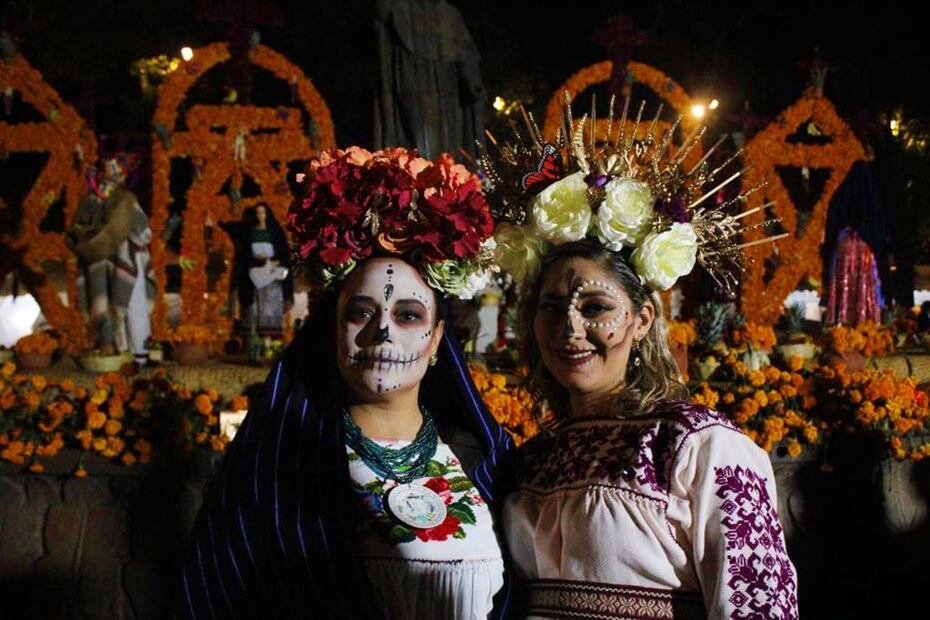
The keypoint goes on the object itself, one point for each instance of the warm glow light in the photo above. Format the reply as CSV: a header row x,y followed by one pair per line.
x,y
17,316
697,111
714,104
895,127
499,103
187,53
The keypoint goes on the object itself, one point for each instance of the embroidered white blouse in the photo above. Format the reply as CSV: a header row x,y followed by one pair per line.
x,y
451,571
660,518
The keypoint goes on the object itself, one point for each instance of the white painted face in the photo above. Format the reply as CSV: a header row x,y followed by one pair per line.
x,y
387,328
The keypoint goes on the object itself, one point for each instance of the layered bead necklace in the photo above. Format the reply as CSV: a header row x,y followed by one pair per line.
x,y
412,504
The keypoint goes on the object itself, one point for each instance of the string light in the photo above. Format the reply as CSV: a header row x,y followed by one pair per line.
x,y
698,110
187,53
499,103
714,104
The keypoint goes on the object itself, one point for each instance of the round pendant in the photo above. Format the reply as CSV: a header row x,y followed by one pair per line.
x,y
416,506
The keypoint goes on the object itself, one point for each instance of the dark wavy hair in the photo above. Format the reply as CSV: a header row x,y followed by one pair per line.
x,y
654,380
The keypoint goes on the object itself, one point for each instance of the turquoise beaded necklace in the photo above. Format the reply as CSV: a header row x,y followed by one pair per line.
x,y
404,464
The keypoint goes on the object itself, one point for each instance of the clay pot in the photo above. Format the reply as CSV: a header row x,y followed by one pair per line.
x,y
853,360
33,361
190,354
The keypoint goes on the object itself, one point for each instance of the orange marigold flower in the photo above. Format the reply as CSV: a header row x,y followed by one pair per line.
x,y
203,404
795,363
66,385
794,448
113,427
85,437
8,369
218,442
80,472
96,420
128,458
756,378
811,434
36,467
772,374
239,403
32,399
142,446
760,398
38,382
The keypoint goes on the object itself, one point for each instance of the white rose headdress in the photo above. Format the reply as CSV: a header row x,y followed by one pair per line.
x,y
633,195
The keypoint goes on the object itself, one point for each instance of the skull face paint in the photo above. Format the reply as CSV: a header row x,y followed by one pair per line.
x,y
385,334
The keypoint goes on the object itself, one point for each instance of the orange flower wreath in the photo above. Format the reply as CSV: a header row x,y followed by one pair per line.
x,y
762,301
68,142
658,82
227,143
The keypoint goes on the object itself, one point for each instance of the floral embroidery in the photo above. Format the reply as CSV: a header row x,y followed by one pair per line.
x,y
760,573
447,479
594,452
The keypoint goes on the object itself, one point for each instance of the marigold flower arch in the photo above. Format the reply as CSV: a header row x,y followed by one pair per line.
x,y
64,136
227,142
658,82
799,255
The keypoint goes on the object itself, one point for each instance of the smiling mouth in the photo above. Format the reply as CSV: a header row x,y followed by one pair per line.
x,y
572,357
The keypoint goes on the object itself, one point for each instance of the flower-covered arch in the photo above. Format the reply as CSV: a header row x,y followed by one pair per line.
x,y
664,87
226,143
798,255
65,138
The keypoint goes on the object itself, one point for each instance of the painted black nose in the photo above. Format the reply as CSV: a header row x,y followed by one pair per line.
x,y
382,335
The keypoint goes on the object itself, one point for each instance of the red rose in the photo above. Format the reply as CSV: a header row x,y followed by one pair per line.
x,y
441,532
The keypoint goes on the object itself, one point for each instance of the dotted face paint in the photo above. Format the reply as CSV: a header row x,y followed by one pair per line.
x,y
386,320
615,317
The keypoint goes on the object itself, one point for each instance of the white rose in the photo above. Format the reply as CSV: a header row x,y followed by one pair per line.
x,y
474,284
519,252
561,212
625,213
664,257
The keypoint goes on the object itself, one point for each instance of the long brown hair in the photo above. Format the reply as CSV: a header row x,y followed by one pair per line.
x,y
653,380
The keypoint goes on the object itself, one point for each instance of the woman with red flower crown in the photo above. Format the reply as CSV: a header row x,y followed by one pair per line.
x,y
363,482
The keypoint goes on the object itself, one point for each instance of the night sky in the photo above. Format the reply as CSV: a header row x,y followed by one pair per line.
x,y
735,52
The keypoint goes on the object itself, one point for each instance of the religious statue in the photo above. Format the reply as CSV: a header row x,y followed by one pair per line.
x,y
110,235
430,95
262,272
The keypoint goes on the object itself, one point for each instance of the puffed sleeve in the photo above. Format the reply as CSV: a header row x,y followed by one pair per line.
x,y
724,487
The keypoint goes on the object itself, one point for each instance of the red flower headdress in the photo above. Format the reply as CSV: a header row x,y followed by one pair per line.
x,y
357,204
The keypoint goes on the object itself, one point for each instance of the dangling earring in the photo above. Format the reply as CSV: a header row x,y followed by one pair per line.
x,y
433,359
639,356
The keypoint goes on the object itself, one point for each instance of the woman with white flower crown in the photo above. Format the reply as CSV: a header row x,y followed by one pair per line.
x,y
633,503
363,482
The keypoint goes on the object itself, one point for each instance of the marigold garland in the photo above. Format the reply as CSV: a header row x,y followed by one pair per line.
x,y
69,143
869,338
658,82
268,139
799,256
511,405
126,422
